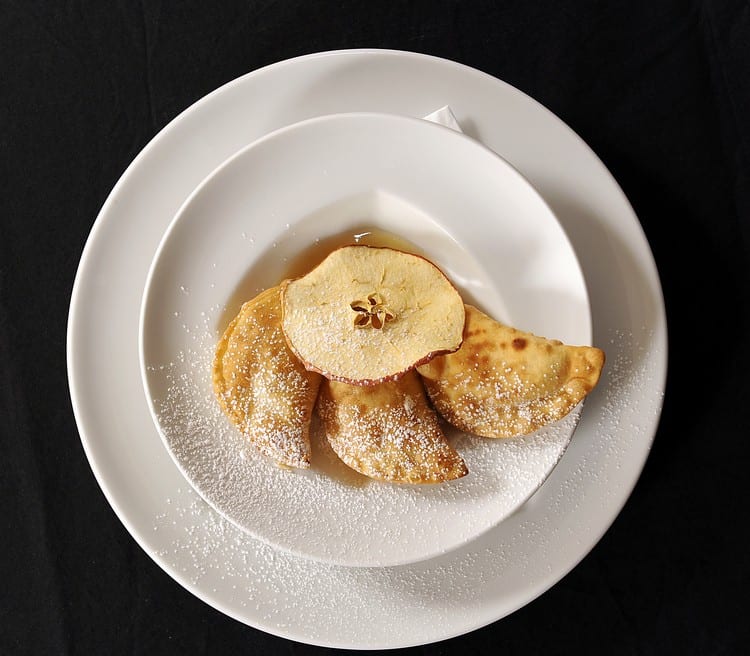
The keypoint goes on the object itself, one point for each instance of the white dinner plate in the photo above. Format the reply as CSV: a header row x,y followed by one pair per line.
x,y
308,601
276,199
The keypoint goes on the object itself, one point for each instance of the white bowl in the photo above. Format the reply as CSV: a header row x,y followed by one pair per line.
x,y
466,208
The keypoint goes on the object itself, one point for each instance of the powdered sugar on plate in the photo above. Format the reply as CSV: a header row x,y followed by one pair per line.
x,y
330,513
290,592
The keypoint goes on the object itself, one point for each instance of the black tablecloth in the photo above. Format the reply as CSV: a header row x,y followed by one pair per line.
x,y
660,90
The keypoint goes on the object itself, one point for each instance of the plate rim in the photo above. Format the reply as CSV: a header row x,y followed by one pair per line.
x,y
74,313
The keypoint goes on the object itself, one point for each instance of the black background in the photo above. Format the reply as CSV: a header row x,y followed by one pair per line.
x,y
660,90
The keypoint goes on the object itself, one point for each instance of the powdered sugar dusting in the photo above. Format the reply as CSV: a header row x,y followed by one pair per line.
x,y
300,597
263,388
328,517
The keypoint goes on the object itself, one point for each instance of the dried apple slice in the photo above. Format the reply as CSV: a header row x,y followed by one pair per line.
x,y
503,382
366,315
262,387
388,431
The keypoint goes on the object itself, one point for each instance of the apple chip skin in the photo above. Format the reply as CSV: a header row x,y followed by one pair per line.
x,y
503,382
367,315
388,431
262,387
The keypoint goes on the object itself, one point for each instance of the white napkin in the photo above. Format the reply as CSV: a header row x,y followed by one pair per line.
x,y
444,116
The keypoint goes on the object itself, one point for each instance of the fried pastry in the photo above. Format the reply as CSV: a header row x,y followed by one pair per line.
x,y
266,392
388,431
367,314
503,382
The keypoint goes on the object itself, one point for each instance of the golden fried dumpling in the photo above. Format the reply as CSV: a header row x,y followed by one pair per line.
x,y
262,387
388,431
503,382
367,314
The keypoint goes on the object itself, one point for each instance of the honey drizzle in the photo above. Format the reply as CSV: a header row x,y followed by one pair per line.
x,y
316,252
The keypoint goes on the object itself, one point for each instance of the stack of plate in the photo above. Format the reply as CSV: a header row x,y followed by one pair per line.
x,y
219,205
